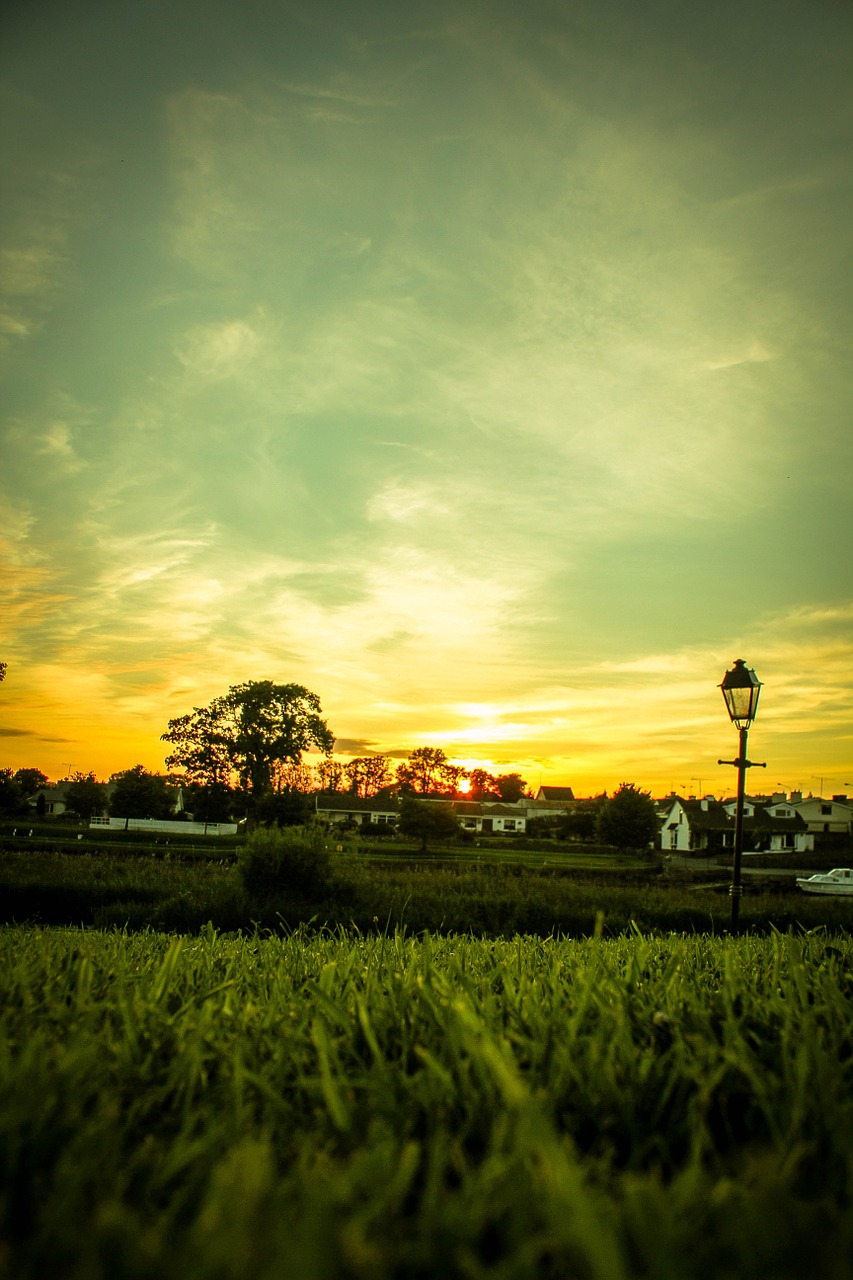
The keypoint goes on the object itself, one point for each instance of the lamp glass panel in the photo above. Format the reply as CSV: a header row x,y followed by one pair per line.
x,y
742,703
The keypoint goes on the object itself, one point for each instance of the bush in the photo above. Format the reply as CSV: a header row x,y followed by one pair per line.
x,y
276,860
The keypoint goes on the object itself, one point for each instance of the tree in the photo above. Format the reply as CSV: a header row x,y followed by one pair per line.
x,y
367,775
203,749
291,775
288,807
578,823
427,820
483,784
11,800
139,794
628,819
249,730
85,795
428,772
29,780
209,802
3,666
330,775
511,787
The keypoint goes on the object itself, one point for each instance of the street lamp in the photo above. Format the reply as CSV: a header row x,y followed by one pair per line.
x,y
741,688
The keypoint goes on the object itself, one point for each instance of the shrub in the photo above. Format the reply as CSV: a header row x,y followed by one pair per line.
x,y
277,860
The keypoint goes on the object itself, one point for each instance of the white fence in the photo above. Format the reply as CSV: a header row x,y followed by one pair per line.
x,y
177,828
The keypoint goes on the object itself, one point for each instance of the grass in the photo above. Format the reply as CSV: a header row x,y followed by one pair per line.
x,y
362,1106
172,894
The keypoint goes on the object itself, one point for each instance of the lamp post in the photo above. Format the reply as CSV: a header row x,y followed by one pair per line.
x,y
741,688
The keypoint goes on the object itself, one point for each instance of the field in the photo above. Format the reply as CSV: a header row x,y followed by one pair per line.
x,y
182,891
334,1104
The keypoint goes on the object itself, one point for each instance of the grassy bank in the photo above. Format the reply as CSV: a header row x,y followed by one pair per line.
x,y
352,1108
420,894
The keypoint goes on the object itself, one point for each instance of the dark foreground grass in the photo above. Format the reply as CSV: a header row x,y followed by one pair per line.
x,y
173,895
342,1106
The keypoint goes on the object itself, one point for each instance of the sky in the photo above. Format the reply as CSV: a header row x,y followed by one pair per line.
x,y
484,368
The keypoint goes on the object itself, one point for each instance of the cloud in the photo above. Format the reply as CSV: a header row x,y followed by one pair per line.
x,y
356,747
216,351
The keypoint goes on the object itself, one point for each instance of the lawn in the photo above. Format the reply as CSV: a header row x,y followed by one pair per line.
x,y
362,1106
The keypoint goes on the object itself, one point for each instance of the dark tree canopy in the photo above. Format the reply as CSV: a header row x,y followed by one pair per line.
x,y
85,795
251,730
579,821
510,787
210,802
367,775
483,784
330,774
428,772
29,780
139,794
427,820
11,800
628,819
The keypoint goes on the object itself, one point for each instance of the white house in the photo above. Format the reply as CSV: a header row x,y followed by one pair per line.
x,y
340,806
708,825
825,816
53,797
491,817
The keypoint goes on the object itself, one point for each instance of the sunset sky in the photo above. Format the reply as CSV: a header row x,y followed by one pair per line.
x,y
486,368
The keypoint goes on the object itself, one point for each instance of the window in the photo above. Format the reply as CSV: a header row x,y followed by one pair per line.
x,y
826,810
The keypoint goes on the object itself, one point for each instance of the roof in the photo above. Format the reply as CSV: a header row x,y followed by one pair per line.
x,y
480,809
555,793
344,802
712,815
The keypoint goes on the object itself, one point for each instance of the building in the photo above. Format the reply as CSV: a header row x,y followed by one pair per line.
x,y
708,826
491,817
826,817
339,807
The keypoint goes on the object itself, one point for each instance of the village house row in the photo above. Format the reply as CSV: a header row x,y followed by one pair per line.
x,y
777,823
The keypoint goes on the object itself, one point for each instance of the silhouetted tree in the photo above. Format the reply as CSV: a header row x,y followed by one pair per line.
x,y
579,822
330,775
628,819
511,787
139,794
11,799
251,729
288,807
367,775
483,784
85,795
427,820
29,780
211,802
428,772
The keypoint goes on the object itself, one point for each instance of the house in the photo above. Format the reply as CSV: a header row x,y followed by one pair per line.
x,y
491,817
382,811
559,796
826,816
49,799
708,825
340,806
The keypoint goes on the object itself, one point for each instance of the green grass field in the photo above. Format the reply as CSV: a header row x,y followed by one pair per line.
x,y
342,1105
170,893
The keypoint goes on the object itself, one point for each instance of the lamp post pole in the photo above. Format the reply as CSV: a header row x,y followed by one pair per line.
x,y
741,688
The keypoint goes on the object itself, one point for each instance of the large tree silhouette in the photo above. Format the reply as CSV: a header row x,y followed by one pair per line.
x,y
249,731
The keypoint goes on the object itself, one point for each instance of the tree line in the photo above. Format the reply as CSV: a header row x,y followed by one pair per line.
x,y
242,756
